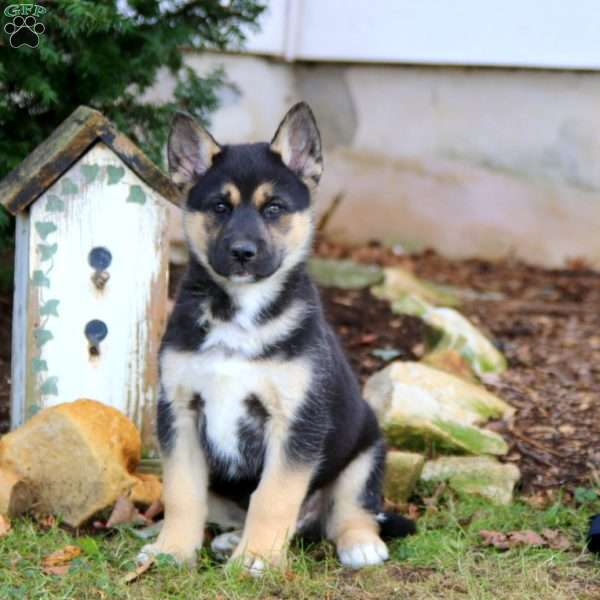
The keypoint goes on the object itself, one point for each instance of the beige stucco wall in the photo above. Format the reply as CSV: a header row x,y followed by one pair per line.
x,y
468,161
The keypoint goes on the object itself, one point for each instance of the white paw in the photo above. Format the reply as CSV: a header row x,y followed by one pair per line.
x,y
363,555
148,552
252,564
151,551
255,566
223,545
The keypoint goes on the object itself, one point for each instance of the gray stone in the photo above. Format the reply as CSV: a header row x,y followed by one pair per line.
x,y
456,333
345,274
479,475
399,282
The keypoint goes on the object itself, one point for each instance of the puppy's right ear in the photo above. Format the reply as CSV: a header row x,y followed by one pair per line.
x,y
190,150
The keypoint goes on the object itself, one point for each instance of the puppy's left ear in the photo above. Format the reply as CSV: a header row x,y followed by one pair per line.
x,y
298,142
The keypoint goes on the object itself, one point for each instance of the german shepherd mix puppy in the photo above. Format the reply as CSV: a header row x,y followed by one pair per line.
x,y
261,421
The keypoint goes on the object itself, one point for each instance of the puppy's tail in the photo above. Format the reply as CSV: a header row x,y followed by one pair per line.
x,y
392,525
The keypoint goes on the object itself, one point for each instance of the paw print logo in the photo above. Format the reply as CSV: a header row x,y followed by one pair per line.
x,y
24,31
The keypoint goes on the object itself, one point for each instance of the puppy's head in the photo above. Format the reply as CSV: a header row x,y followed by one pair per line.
x,y
248,210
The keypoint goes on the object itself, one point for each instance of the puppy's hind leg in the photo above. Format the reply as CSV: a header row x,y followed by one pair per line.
x,y
228,517
185,480
356,499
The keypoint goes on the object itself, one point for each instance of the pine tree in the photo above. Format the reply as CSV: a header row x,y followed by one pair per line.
x,y
105,54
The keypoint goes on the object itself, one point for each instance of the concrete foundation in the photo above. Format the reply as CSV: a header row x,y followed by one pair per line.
x,y
471,162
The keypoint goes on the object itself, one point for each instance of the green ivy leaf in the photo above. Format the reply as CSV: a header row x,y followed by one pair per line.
x,y
50,308
42,336
39,279
68,187
50,387
38,365
136,195
55,203
90,172
115,174
47,251
45,228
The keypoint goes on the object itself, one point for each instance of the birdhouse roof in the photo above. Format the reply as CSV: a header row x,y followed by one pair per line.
x,y
73,138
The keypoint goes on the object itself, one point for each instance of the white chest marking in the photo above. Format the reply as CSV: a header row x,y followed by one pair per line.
x,y
225,381
249,340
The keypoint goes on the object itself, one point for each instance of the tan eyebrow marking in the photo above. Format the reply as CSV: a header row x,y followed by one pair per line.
x,y
233,193
262,194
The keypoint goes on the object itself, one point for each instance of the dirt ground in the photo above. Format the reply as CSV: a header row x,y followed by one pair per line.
x,y
547,322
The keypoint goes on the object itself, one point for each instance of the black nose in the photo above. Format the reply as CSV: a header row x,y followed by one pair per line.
x,y
243,250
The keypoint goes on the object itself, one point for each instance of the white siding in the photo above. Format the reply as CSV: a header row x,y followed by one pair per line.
x,y
520,33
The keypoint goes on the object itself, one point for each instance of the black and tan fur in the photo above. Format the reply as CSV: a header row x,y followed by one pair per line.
x,y
261,420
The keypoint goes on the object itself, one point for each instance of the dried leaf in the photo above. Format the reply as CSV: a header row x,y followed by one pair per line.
x,y
525,538
494,538
59,570
504,541
413,512
452,362
125,512
46,521
154,510
538,500
556,539
4,526
62,556
140,570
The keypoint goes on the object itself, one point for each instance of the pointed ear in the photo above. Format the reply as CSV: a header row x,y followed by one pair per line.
x,y
190,150
298,141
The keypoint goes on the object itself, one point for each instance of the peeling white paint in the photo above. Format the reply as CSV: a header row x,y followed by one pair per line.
x,y
130,219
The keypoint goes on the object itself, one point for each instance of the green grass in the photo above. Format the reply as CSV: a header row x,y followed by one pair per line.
x,y
444,560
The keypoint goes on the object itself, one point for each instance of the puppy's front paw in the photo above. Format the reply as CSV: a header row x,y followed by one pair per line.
x,y
357,551
252,564
255,561
183,554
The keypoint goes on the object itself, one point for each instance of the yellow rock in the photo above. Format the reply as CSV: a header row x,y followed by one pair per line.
x,y
451,362
420,407
80,457
146,489
402,471
399,282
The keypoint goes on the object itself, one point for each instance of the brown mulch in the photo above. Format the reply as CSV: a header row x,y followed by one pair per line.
x,y
547,322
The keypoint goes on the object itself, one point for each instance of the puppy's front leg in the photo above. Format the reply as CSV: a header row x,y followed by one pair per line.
x,y
273,513
185,482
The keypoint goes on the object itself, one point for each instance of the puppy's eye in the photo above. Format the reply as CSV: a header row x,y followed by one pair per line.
x,y
273,210
221,208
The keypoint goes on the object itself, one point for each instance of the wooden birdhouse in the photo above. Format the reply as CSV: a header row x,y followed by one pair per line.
x,y
91,270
